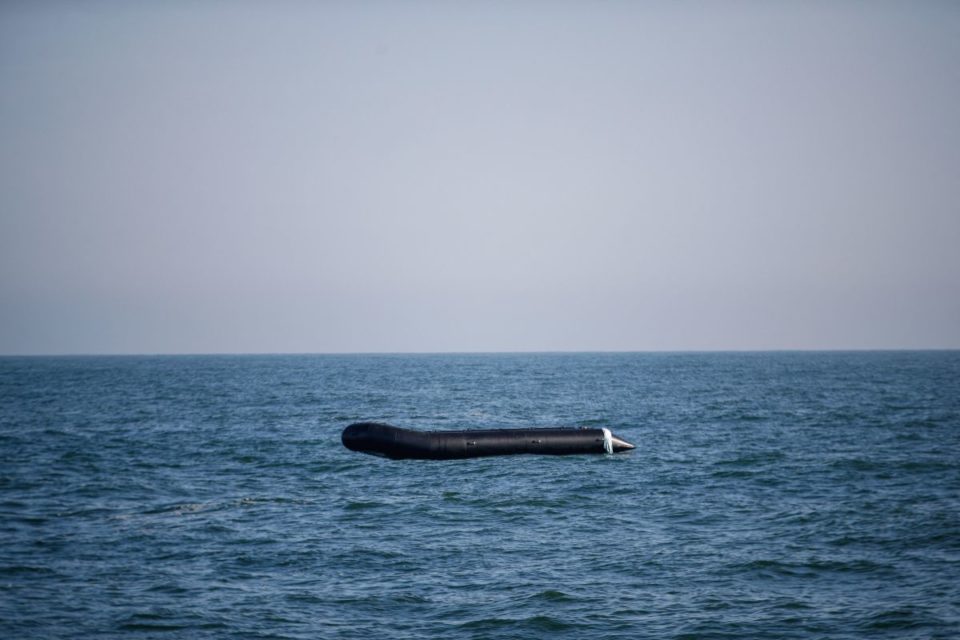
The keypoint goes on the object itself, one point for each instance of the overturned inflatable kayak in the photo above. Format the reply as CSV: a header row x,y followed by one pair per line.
x,y
393,442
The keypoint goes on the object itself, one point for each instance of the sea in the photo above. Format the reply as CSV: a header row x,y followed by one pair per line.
x,y
771,495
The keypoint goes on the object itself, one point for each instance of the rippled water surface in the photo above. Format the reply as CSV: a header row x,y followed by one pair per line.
x,y
772,495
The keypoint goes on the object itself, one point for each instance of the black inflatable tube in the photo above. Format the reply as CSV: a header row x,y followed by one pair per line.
x,y
396,443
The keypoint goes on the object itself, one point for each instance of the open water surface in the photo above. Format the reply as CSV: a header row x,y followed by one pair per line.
x,y
772,495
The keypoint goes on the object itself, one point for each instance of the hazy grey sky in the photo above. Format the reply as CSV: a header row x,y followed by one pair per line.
x,y
435,176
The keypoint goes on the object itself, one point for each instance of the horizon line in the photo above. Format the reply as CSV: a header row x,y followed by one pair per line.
x,y
145,354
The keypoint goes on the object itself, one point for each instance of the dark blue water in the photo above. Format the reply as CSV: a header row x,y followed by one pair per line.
x,y
772,495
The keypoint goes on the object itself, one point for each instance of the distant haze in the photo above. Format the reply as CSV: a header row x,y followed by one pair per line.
x,y
478,176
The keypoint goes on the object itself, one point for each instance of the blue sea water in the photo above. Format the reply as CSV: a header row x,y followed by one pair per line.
x,y
771,495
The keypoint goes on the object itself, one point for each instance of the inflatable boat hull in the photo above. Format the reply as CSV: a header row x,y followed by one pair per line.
x,y
396,443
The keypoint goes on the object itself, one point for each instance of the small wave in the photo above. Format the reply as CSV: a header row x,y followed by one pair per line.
x,y
26,570
355,463
925,466
33,521
734,473
305,598
410,598
752,460
167,588
853,566
552,595
860,464
374,554
151,626
363,505
811,569
532,623
594,422
180,508
895,619
162,621
159,627
91,512
252,501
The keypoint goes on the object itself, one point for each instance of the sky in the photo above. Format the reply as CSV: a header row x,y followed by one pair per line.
x,y
289,177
